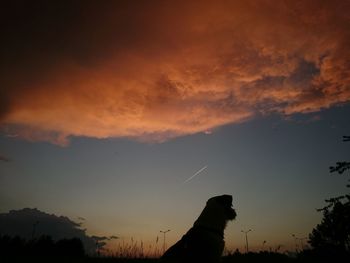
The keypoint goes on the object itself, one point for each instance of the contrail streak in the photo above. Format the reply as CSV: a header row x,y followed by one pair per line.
x,y
198,172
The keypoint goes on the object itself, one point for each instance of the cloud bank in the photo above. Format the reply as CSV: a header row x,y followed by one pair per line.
x,y
162,69
32,223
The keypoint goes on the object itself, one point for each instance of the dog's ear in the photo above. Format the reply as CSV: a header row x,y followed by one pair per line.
x,y
225,200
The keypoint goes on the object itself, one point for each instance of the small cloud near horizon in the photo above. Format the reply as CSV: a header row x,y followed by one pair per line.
x,y
4,158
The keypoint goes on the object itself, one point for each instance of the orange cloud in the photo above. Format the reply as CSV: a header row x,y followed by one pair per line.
x,y
154,71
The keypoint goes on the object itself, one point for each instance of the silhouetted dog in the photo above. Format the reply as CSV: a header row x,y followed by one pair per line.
x,y
204,242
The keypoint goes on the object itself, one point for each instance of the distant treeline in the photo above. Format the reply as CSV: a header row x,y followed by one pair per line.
x,y
304,256
43,247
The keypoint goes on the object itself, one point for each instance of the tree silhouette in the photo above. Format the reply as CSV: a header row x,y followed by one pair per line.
x,y
43,247
333,233
334,230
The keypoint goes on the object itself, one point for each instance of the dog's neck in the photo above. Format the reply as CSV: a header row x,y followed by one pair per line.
x,y
211,221
218,233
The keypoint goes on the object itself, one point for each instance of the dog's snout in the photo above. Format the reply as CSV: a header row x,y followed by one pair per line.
x,y
232,214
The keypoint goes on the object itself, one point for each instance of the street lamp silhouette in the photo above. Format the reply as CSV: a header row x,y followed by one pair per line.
x,y
34,228
301,242
246,238
295,241
164,232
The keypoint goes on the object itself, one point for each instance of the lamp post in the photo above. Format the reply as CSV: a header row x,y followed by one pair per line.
x,y
295,241
301,242
34,228
246,239
164,232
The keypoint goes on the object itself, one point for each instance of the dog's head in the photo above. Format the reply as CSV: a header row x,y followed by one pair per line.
x,y
224,202
217,212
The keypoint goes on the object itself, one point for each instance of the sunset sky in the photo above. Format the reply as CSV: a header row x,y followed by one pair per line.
x,y
107,107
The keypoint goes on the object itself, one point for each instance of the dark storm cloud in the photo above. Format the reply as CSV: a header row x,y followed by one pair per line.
x,y
154,70
32,223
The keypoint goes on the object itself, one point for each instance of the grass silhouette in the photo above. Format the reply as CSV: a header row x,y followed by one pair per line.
x,y
44,249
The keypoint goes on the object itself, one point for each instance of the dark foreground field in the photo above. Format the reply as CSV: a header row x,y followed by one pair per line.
x,y
45,249
306,256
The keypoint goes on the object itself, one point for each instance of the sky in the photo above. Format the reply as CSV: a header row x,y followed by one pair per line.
x,y
108,107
